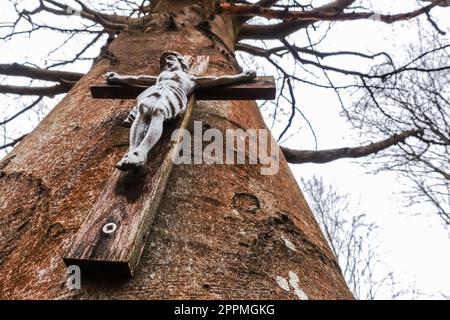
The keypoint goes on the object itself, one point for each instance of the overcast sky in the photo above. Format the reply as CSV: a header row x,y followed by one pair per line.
x,y
415,247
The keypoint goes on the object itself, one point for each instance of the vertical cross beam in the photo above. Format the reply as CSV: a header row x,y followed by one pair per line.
x,y
111,239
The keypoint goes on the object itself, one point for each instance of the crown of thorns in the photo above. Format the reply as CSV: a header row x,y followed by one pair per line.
x,y
162,60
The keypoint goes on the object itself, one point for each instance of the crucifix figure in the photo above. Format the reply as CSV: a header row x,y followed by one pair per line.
x,y
164,100
111,239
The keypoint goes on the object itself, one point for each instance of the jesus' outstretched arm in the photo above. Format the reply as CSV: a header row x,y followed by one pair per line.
x,y
213,81
144,80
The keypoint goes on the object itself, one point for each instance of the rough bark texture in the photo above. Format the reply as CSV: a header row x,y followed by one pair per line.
x,y
222,231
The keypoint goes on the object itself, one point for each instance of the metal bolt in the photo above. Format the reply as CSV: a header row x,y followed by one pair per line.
x,y
109,228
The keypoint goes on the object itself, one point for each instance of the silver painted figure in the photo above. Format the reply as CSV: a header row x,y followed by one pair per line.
x,y
164,100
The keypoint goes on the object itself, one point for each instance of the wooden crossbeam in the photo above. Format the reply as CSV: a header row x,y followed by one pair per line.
x,y
260,88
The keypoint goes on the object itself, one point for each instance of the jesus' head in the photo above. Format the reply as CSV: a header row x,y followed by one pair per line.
x,y
171,60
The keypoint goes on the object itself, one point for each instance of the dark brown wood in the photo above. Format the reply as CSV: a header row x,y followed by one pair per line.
x,y
261,88
130,200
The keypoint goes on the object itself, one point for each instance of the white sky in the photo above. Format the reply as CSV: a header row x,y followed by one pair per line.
x,y
414,247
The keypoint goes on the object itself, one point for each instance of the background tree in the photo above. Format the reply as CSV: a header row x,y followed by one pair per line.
x,y
354,241
292,40
420,100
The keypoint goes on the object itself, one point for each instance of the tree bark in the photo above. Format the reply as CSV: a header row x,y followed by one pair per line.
x,y
222,231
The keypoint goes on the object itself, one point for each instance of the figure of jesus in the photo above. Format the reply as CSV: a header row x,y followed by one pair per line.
x,y
164,100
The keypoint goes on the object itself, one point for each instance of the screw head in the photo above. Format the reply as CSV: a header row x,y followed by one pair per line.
x,y
109,228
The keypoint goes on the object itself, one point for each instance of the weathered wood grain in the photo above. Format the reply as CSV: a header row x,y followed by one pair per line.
x,y
130,200
261,88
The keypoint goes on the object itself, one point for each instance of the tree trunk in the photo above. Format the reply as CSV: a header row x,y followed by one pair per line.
x,y
222,231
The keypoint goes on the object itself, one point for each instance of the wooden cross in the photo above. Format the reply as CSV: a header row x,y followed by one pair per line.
x,y
111,239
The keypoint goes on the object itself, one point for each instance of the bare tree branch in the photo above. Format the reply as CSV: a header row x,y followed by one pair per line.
x,y
323,156
262,3
19,70
79,54
114,22
37,91
319,15
256,51
352,238
9,119
282,29
13,143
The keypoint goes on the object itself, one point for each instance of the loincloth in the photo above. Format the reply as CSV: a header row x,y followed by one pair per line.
x,y
169,99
